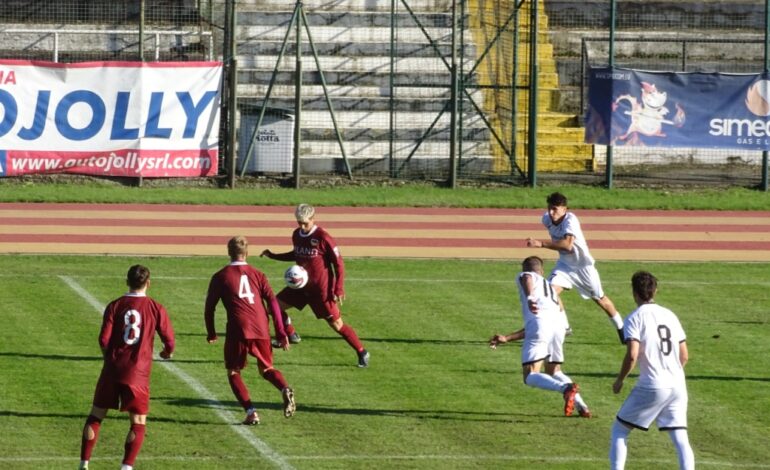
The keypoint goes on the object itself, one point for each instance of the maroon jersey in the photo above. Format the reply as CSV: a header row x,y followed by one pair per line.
x,y
318,253
128,331
243,291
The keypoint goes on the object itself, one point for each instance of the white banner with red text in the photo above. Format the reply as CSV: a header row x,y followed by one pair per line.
x,y
149,119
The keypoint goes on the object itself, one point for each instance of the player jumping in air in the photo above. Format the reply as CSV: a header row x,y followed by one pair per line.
x,y
575,267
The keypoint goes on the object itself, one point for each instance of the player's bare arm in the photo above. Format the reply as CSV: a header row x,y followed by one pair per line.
x,y
629,361
564,244
528,284
684,354
497,340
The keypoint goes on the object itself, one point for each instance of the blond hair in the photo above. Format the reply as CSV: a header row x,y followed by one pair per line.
x,y
304,212
237,246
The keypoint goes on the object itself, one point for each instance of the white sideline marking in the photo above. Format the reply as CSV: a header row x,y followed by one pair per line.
x,y
221,411
518,458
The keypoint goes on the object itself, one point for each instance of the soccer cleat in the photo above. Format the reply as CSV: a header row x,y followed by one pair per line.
x,y
294,338
584,412
621,336
251,418
363,358
83,465
289,406
569,399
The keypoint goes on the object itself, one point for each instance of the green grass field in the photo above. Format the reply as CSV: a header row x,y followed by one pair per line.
x,y
434,396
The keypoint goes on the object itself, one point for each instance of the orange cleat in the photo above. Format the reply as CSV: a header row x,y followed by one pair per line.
x,y
569,399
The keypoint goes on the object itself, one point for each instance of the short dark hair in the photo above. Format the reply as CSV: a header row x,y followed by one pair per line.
x,y
137,276
531,264
556,199
644,285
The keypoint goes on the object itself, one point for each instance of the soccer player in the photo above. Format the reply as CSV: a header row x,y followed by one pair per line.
x,y
656,340
244,292
317,252
126,339
543,332
555,357
575,266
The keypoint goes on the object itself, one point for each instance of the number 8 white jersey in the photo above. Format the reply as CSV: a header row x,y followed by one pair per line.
x,y
659,333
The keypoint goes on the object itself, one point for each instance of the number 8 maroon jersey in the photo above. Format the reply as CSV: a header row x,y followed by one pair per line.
x,y
127,335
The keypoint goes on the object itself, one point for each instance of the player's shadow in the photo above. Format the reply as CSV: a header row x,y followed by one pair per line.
x,y
633,377
448,415
440,341
113,414
52,357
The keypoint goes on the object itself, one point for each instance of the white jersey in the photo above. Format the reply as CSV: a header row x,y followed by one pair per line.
x,y
545,297
579,257
659,333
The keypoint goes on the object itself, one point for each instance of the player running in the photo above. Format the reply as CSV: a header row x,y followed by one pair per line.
x,y
244,292
575,267
543,333
317,252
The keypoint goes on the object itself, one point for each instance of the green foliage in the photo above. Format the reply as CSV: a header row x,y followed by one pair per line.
x,y
434,396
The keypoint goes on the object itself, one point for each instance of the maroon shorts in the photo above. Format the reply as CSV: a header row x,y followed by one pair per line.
x,y
237,350
298,298
110,394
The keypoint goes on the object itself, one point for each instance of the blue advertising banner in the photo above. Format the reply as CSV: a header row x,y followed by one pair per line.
x,y
671,109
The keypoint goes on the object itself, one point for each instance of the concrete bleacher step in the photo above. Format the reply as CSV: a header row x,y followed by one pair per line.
x,y
347,5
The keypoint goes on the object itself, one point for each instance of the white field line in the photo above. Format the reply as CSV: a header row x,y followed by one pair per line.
x,y
220,410
403,458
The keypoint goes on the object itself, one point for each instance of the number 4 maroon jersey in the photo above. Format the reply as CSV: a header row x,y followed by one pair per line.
x,y
127,335
243,291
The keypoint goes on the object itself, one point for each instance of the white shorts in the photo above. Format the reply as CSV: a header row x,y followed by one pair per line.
x,y
586,280
556,346
538,339
666,406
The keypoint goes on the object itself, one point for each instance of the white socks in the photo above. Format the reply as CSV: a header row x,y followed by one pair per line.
x,y
544,381
564,378
617,320
618,449
683,449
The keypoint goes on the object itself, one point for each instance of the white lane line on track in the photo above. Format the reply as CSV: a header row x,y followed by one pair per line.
x,y
224,414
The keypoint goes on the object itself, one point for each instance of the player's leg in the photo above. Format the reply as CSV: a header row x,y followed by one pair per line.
x,y
673,419
264,355
235,361
330,312
134,440
291,332
589,285
683,450
90,434
534,352
618,445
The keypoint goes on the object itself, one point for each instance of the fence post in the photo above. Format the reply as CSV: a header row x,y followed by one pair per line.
x,y
609,168
453,98
767,61
533,72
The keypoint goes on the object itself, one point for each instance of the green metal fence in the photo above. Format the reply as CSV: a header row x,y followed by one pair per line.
x,y
445,90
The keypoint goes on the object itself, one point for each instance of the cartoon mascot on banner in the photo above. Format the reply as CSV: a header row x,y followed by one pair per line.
x,y
647,117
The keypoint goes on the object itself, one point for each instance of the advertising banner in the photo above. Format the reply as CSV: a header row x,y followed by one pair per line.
x,y
150,119
671,109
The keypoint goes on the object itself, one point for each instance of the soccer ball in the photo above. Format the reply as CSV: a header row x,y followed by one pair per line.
x,y
295,277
